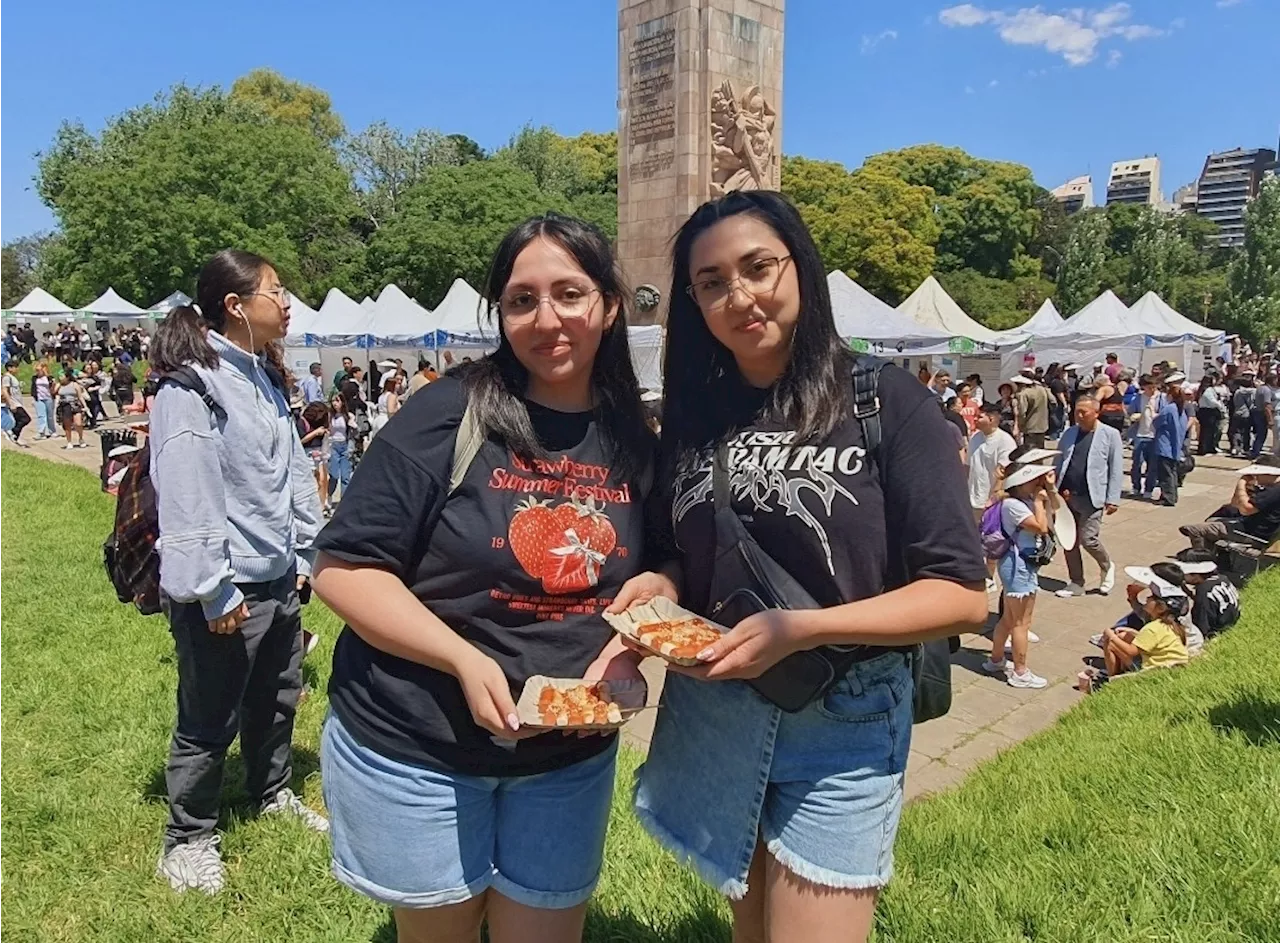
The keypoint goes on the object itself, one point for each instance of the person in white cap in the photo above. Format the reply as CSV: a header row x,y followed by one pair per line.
x,y
1253,511
1026,524
1215,602
1090,475
1161,643
1032,408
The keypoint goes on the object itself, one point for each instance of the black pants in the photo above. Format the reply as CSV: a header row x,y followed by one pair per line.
x,y
1168,478
1258,425
21,419
246,682
1210,430
95,409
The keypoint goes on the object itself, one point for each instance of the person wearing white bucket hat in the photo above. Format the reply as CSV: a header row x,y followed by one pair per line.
x,y
1026,523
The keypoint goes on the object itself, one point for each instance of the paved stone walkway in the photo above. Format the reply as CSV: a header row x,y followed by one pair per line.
x,y
986,715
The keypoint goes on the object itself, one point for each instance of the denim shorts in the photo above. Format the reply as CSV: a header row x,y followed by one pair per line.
x,y
1018,577
414,837
822,788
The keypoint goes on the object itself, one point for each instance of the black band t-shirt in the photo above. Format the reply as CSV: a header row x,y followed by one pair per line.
x,y
520,562
819,510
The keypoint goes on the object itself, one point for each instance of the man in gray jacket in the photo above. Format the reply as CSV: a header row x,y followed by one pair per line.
x,y
1090,472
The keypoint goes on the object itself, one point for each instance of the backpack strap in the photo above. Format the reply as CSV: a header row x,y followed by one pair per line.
x,y
466,446
866,400
187,378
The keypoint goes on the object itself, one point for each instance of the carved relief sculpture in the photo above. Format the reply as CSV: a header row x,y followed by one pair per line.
x,y
742,151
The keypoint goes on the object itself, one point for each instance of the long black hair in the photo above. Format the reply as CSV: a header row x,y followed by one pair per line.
x,y
496,384
180,338
702,384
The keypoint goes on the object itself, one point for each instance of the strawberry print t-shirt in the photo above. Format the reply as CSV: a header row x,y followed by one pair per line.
x,y
520,561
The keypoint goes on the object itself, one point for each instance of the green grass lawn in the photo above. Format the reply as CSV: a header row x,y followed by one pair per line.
x,y
1151,812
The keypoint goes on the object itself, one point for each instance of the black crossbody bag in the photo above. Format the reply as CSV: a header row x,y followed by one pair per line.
x,y
746,580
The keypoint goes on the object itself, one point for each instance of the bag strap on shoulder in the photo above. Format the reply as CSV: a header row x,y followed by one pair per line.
x,y
466,446
866,399
188,379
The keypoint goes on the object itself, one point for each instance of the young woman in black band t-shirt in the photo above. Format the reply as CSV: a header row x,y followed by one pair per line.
x,y
793,815
441,805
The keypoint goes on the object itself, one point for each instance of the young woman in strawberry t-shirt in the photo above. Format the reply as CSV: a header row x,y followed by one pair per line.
x,y
441,805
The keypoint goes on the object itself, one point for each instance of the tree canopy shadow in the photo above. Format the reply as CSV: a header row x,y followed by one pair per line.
x,y
1253,716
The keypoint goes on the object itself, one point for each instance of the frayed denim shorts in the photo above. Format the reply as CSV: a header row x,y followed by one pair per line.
x,y
822,788
414,837
1018,577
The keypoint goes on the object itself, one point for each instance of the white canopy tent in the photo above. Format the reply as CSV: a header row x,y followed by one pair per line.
x,y
1044,321
162,307
931,306
867,323
368,303
38,302
1154,308
399,320
340,322
646,342
461,315
109,304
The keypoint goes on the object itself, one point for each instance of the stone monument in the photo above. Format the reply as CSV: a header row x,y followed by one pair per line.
x,y
699,102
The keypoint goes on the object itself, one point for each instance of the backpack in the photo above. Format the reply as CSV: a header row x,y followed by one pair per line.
x,y
129,553
995,542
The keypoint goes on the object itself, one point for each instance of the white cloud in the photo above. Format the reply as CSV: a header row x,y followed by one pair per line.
x,y
968,89
1113,58
1229,3
1074,34
993,83
869,43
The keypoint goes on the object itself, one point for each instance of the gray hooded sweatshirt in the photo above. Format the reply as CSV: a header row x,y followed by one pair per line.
x,y
237,499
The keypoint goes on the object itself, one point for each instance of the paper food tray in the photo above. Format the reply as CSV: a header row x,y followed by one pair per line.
x,y
628,695
658,609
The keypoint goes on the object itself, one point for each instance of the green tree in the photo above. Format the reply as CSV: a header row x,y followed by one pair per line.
x,y
22,266
580,173
164,186
467,149
986,209
450,224
1083,265
385,163
1253,308
874,227
999,303
289,102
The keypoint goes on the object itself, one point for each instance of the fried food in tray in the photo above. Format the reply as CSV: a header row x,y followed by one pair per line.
x,y
574,704
667,630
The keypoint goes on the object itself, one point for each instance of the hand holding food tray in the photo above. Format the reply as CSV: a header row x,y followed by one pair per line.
x,y
667,630
574,704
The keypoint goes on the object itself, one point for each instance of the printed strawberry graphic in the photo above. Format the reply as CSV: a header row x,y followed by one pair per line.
x,y
592,524
573,567
534,530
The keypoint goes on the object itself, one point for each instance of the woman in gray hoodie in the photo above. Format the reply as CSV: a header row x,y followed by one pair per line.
x,y
238,511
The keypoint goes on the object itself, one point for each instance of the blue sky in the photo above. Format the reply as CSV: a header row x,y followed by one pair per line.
x,y
1064,90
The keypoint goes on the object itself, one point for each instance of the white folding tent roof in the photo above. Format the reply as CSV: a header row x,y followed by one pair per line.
x,y
397,318
861,315
1045,320
1106,318
39,301
368,303
302,317
931,306
1154,308
110,304
339,320
460,313
167,304
645,341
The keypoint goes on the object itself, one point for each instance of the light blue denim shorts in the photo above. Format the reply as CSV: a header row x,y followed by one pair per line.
x,y
822,787
409,836
1018,578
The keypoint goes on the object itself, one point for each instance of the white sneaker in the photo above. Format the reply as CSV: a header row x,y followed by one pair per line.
x,y
1108,580
998,668
309,643
1028,679
1071,589
285,801
1148,496
1096,640
1031,637
194,865
68,447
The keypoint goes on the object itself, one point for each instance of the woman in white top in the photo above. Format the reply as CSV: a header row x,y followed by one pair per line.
x,y
1209,412
388,402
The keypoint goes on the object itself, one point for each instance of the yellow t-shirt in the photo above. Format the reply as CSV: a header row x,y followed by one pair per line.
x,y
1160,646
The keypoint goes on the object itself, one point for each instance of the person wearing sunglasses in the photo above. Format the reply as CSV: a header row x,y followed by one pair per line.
x,y
781,784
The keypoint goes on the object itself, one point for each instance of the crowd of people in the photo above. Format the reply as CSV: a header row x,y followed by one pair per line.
x,y
1025,495
504,505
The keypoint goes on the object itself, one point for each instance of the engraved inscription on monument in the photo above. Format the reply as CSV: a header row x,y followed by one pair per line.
x,y
652,92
